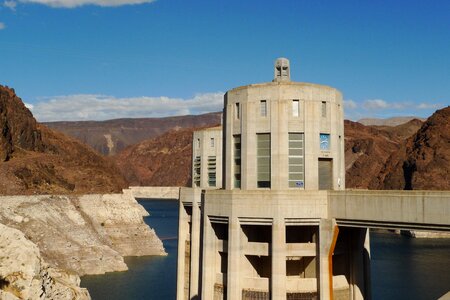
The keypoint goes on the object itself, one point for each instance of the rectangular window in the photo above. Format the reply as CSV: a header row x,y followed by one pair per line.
x,y
324,109
295,108
263,160
197,167
296,160
237,160
212,142
324,142
211,171
237,111
263,108
198,143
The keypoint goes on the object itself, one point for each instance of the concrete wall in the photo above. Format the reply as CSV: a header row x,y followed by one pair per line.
x,y
154,192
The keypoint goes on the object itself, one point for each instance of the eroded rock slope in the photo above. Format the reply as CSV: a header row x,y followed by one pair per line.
x,y
83,234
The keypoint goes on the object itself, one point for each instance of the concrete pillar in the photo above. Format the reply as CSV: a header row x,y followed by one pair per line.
x,y
183,232
360,264
195,248
234,289
278,256
209,262
328,232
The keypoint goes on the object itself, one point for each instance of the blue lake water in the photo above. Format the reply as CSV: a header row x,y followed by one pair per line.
x,y
402,267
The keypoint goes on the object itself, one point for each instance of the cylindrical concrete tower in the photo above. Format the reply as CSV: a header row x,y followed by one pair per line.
x,y
284,135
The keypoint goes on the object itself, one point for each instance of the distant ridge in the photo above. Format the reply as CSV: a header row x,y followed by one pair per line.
x,y
394,121
112,136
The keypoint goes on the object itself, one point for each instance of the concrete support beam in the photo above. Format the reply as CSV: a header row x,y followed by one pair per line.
x,y
195,250
234,289
209,263
328,232
278,281
360,264
183,233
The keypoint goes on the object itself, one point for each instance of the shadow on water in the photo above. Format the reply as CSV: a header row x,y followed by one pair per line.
x,y
148,277
401,267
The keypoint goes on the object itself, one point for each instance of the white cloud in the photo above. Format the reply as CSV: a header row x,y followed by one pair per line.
x,y
77,3
10,4
2,26
29,106
101,107
350,104
375,104
429,106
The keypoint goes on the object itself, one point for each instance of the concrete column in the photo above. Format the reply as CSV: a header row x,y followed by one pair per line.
x,y
209,262
183,232
328,231
195,248
234,289
360,264
278,256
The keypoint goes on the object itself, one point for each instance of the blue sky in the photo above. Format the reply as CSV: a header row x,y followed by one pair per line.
x,y
102,59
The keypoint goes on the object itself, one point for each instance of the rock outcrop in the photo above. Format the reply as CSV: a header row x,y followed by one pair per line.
x,y
37,160
83,234
25,275
18,128
423,161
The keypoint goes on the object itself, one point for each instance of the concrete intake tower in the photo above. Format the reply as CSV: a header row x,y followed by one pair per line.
x,y
256,224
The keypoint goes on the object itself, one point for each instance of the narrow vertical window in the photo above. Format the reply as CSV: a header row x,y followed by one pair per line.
x,y
263,108
296,160
198,143
197,167
212,171
212,142
324,109
237,160
263,160
237,111
295,108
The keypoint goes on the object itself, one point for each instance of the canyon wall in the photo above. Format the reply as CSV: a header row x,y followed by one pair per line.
x,y
87,234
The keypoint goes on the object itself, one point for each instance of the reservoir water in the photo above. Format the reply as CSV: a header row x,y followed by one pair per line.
x,y
402,267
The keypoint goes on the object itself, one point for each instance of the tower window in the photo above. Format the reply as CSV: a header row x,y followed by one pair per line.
x,y
212,142
263,108
237,111
263,160
197,167
295,108
324,109
237,160
296,160
211,171
198,143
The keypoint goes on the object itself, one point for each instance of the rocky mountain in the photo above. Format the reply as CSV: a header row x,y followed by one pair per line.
x,y
367,148
366,151
112,136
161,161
394,121
36,159
423,161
